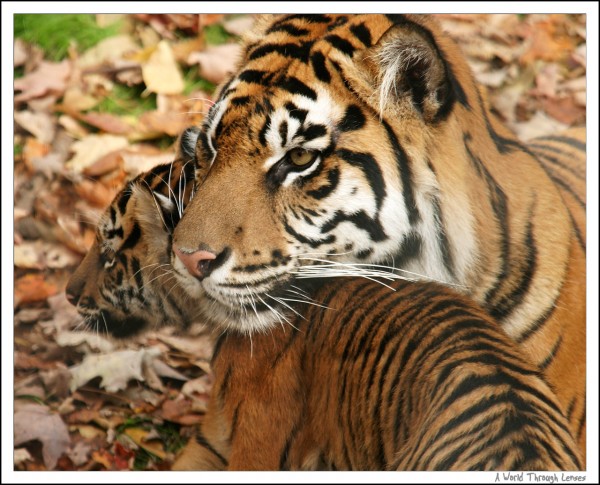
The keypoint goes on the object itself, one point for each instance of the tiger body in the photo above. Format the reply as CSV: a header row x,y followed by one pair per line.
x,y
365,140
417,378
413,379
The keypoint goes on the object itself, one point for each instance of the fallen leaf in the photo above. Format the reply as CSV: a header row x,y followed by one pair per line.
x,y
49,77
32,315
136,163
31,288
39,124
20,455
216,62
20,53
80,337
546,43
56,382
75,99
161,73
566,110
72,126
540,124
139,435
49,429
200,347
239,26
170,123
94,192
91,148
108,123
116,368
34,149
107,51
79,453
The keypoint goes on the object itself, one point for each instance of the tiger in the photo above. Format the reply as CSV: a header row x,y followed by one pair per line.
x,y
364,140
418,378
367,376
124,284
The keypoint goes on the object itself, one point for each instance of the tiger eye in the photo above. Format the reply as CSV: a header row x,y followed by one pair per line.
x,y
301,157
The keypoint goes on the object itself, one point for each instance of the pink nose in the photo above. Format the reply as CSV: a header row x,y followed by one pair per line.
x,y
197,263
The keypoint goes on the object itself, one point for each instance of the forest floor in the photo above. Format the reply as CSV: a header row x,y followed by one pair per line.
x,y
93,113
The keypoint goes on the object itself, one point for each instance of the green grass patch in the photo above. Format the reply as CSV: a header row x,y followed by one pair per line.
x,y
55,32
127,100
193,82
216,34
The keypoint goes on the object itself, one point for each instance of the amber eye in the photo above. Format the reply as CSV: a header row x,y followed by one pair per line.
x,y
301,157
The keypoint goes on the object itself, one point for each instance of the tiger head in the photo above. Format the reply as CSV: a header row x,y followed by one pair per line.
x,y
316,154
125,282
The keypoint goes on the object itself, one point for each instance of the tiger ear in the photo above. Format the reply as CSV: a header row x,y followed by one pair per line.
x,y
186,144
409,67
154,211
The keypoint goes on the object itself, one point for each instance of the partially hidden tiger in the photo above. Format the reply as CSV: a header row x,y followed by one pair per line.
x,y
349,140
365,376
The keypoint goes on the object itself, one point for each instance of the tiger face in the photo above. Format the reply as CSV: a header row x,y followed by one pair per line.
x,y
303,170
125,283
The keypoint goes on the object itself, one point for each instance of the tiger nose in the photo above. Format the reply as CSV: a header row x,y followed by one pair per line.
x,y
198,263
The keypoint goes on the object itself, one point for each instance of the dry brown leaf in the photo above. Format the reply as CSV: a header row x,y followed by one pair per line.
x,y
20,53
92,147
49,77
200,347
31,288
566,110
115,368
139,437
34,149
539,125
89,339
40,124
49,429
210,18
79,453
116,125
107,51
95,193
239,26
183,48
75,99
170,123
136,163
72,126
179,410
547,43
20,455
216,62
161,73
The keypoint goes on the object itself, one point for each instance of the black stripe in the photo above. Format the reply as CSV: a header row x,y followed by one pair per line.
x,y
443,241
582,421
509,301
361,220
122,202
499,207
133,238
240,101
333,176
288,29
369,166
295,112
503,145
573,142
313,243
295,86
550,357
353,119
201,440
283,132
284,458
340,44
555,161
559,181
299,51
262,134
405,175
311,132
310,18
317,60
136,271
362,33
539,323
252,76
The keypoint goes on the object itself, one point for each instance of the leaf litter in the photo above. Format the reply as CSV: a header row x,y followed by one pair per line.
x,y
89,122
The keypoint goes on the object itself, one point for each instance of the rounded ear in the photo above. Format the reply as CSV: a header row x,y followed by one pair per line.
x,y
408,65
154,211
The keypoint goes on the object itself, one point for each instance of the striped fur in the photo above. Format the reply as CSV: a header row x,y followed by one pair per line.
x,y
407,168
125,282
413,379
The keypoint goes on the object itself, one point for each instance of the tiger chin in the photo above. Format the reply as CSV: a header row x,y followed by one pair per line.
x,y
347,141
125,283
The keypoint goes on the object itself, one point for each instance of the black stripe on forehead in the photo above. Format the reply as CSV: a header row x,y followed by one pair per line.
x,y
295,86
295,112
299,51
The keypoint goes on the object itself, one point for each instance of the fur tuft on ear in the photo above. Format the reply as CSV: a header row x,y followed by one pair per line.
x,y
409,66
186,144
154,211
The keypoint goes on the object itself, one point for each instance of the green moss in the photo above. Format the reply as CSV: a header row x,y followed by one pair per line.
x,y
55,32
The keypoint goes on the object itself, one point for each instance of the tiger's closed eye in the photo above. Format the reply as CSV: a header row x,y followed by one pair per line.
x,y
301,157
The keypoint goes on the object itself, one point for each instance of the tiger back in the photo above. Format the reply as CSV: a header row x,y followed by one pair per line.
x,y
414,378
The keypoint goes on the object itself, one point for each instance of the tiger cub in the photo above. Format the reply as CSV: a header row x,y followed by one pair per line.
x,y
369,378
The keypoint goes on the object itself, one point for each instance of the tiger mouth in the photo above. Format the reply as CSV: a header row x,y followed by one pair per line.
x,y
104,321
